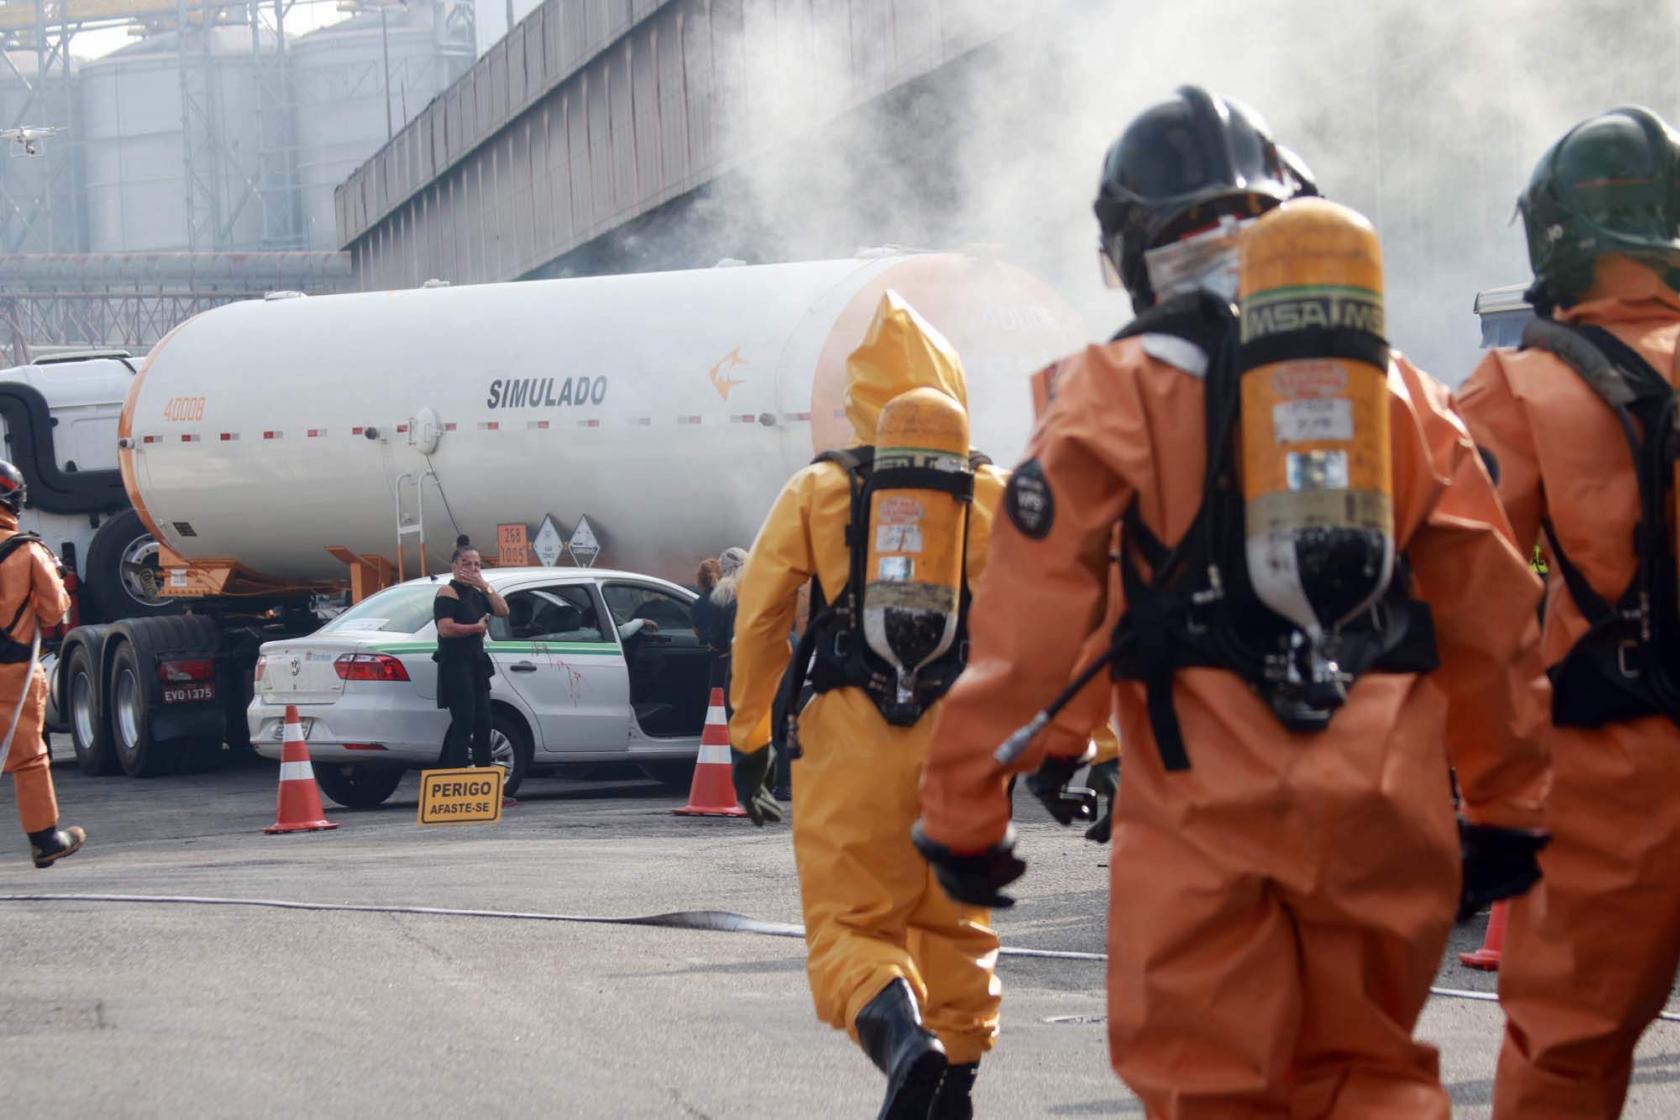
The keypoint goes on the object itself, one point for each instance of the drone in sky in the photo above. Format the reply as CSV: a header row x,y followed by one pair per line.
x,y
28,137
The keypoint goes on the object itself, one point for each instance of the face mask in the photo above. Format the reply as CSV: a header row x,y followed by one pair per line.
x,y
1205,262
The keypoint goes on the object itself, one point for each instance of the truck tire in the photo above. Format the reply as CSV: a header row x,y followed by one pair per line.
x,y
90,732
130,712
132,698
358,786
121,576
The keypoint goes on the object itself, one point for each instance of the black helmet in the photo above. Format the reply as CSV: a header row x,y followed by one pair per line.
x,y
1181,165
1608,186
12,488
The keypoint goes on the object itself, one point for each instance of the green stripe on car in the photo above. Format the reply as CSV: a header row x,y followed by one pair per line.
x,y
583,648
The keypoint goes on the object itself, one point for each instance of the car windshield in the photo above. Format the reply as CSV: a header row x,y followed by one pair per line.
x,y
396,610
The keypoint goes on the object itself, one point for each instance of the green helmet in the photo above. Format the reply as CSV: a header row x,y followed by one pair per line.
x,y
1610,185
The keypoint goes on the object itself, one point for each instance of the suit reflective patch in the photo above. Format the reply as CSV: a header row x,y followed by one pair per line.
x,y
1028,501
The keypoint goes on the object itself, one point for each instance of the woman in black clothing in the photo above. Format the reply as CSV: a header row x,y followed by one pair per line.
x,y
463,608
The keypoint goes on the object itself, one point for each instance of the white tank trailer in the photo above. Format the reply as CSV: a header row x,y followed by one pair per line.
x,y
275,448
667,408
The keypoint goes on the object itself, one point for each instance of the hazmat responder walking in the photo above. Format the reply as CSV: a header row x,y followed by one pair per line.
x,y
1580,420
1305,625
32,595
892,533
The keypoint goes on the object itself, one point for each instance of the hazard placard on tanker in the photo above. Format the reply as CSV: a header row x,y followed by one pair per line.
x,y
470,796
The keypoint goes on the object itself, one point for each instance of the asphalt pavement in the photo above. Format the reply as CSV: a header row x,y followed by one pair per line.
x,y
168,1009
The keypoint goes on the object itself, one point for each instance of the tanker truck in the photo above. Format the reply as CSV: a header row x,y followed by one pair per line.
x,y
287,455
58,421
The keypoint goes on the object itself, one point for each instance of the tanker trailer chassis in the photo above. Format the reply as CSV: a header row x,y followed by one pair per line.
x,y
151,696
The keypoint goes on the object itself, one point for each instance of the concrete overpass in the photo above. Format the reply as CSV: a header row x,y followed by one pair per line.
x,y
598,124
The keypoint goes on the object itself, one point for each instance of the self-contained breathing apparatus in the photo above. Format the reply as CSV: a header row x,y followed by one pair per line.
x,y
1287,576
1627,664
898,629
12,651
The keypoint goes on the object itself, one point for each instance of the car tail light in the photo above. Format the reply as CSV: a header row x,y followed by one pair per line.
x,y
175,672
369,667
262,665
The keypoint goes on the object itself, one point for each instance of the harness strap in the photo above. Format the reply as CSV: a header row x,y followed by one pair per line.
x,y
1622,667
12,650
1325,342
959,486
843,617
1594,607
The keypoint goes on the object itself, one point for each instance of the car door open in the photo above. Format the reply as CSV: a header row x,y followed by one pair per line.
x,y
669,667
555,651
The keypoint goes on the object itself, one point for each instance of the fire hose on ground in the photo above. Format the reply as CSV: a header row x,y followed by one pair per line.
x,y
715,921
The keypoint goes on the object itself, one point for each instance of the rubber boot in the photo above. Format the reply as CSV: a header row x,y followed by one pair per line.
x,y
890,1030
954,1100
50,845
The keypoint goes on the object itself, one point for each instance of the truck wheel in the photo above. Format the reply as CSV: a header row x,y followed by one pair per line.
x,y
359,786
510,747
131,720
90,735
675,774
122,577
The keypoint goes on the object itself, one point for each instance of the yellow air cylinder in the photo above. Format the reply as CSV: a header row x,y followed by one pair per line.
x,y
914,568
1317,477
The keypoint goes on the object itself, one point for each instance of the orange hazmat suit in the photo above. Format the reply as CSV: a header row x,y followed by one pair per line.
x,y
1278,909
1589,955
873,911
1086,719
28,569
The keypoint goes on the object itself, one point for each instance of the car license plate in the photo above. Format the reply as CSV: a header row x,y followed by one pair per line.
x,y
279,732
188,693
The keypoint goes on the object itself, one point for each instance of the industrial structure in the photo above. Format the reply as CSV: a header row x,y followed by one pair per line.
x,y
591,114
180,162
52,302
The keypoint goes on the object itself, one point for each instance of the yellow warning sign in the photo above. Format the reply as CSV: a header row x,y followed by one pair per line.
x,y
470,796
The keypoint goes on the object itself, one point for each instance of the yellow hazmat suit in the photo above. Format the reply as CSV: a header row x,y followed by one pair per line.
x,y
873,911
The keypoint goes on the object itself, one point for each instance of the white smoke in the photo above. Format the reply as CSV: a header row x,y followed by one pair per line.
x,y
1425,115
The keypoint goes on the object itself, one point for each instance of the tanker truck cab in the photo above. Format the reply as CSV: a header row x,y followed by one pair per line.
x,y
58,421
590,666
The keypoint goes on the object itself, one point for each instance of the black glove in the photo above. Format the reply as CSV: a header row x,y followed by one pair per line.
x,y
1499,863
1067,804
973,879
749,772
1105,781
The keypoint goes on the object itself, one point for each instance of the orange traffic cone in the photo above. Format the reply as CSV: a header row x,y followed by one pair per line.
x,y
1493,943
713,791
299,807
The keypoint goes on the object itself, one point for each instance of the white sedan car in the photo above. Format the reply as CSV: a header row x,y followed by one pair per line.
x,y
591,666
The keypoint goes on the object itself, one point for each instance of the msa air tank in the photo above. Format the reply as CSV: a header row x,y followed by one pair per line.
x,y
1317,476
921,489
